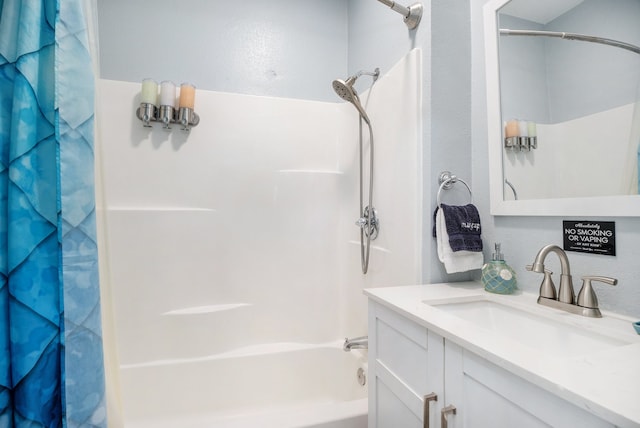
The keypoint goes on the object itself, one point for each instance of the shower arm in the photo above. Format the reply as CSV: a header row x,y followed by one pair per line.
x,y
572,36
352,79
375,74
411,14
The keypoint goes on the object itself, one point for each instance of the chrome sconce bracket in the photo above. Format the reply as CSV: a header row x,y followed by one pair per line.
x,y
167,115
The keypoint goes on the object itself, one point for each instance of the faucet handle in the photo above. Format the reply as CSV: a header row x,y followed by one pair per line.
x,y
587,297
547,287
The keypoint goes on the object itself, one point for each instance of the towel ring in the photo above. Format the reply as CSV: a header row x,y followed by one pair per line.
x,y
447,180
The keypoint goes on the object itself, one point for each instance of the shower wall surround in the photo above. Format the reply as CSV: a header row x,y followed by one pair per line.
x,y
246,224
529,172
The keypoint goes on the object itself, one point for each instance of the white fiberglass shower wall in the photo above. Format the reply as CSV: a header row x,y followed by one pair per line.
x,y
239,237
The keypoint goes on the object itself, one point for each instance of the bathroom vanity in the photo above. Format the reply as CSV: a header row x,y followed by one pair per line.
x,y
453,355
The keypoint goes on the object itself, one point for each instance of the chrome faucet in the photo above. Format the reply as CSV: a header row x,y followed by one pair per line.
x,y
565,292
587,302
355,343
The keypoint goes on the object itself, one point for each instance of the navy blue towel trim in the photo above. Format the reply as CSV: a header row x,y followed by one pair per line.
x,y
463,226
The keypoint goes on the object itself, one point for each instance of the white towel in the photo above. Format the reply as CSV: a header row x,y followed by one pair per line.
x,y
458,261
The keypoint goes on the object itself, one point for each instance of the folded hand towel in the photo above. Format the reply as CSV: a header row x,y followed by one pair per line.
x,y
459,261
463,227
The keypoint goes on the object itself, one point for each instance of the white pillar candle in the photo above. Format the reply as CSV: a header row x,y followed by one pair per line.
x,y
149,92
187,95
167,93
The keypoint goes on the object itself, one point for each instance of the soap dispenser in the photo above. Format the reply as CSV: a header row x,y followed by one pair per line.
x,y
497,275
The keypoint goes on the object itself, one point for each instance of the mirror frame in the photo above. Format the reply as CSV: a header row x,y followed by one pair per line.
x,y
608,206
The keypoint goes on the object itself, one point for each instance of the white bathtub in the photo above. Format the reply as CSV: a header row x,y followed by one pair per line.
x,y
282,385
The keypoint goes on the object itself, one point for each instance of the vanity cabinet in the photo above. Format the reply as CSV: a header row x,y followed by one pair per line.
x,y
403,370
408,364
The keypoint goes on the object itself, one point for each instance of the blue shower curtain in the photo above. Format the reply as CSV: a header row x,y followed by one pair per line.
x,y
51,366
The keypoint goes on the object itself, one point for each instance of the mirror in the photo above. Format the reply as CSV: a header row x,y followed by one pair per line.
x,y
579,97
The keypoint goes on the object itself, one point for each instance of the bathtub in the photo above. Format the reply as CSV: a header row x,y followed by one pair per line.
x,y
281,385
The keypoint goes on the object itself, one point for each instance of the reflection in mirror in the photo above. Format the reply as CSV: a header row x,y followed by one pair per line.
x,y
580,99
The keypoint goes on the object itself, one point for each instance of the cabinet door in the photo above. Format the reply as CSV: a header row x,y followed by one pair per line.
x,y
486,395
399,351
390,410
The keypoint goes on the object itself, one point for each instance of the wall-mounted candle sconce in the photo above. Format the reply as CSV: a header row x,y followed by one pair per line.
x,y
520,135
167,113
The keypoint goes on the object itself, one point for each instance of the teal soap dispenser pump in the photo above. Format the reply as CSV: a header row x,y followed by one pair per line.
x,y
497,275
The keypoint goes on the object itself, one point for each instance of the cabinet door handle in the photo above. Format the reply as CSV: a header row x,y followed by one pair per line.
x,y
445,411
427,401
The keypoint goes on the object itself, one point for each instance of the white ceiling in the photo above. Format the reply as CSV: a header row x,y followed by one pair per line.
x,y
540,11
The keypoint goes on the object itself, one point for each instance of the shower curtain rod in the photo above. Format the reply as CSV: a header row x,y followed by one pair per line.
x,y
412,14
572,36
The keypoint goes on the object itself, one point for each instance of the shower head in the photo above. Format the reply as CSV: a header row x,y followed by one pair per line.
x,y
344,88
346,91
349,94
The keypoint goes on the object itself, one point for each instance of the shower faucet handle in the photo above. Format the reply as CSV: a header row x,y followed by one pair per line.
x,y
369,222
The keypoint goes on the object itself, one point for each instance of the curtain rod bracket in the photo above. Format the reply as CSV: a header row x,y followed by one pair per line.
x,y
412,14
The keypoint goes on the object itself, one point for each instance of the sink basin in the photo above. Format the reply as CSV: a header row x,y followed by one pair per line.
x,y
551,336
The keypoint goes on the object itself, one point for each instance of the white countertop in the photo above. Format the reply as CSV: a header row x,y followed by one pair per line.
x,y
605,383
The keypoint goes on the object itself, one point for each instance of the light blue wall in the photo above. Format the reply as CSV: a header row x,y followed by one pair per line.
x,y
550,80
611,75
523,73
285,48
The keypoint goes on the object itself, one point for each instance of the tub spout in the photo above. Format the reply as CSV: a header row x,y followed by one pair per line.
x,y
356,343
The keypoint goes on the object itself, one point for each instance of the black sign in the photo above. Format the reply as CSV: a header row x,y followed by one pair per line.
x,y
595,237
